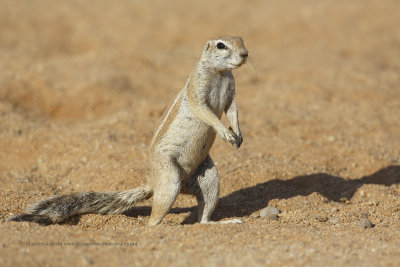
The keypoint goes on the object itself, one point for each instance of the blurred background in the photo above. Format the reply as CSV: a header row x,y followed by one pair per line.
x,y
66,59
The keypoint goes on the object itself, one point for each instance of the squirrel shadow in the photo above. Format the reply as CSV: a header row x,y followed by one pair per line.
x,y
248,200
245,201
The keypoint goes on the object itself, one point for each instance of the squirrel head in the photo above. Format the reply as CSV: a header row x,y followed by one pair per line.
x,y
224,53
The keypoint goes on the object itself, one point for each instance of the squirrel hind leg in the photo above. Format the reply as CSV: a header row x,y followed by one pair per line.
x,y
204,184
165,192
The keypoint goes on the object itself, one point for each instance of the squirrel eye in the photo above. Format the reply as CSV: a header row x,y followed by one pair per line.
x,y
221,46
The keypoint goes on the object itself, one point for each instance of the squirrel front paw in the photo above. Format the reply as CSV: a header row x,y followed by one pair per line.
x,y
239,137
230,136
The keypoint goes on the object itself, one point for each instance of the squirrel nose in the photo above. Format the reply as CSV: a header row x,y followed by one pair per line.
x,y
244,53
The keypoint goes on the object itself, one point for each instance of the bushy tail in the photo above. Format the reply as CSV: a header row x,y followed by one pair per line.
x,y
58,209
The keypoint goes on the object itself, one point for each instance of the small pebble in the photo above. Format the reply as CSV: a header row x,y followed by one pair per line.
x,y
363,215
270,213
89,260
334,220
365,223
320,218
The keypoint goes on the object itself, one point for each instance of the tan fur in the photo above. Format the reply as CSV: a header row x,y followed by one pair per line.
x,y
185,137
167,118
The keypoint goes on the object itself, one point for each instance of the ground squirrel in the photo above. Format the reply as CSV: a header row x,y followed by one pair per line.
x,y
179,154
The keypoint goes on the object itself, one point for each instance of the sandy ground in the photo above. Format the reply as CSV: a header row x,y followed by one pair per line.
x,y
84,83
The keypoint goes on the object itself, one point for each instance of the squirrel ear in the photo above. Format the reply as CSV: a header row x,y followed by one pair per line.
x,y
207,46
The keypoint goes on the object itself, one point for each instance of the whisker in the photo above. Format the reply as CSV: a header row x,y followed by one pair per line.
x,y
252,65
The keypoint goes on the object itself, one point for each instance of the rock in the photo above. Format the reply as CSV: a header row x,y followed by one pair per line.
x,y
89,261
363,215
334,220
320,218
270,213
365,223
